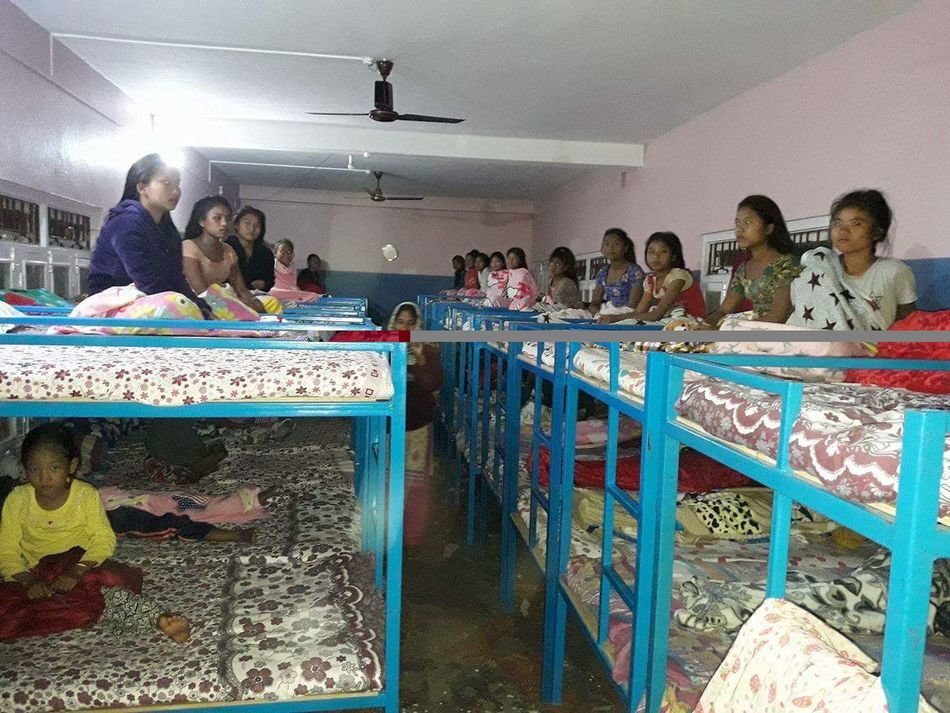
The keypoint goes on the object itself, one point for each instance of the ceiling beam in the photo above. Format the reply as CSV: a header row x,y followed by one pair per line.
x,y
330,138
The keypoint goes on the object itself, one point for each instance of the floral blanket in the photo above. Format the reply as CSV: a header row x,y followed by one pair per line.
x,y
848,436
177,376
295,613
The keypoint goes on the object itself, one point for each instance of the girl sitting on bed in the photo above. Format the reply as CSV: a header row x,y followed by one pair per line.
x,y
668,291
766,277
55,545
138,243
206,257
619,283
285,276
521,291
563,289
849,286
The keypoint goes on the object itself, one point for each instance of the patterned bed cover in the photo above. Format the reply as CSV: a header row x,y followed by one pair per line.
x,y
294,614
847,438
181,376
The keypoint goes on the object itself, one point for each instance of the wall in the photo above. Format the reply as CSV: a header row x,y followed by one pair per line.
x,y
68,135
874,112
348,234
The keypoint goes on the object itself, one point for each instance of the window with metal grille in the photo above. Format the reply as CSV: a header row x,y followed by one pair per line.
x,y
722,255
6,275
68,230
19,220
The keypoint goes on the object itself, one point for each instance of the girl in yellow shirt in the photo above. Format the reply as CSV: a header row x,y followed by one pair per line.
x,y
54,513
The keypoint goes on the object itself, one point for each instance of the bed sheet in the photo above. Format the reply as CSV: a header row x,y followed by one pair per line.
x,y
181,376
296,613
848,436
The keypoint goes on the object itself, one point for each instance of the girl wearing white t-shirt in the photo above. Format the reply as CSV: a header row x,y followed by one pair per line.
x,y
860,222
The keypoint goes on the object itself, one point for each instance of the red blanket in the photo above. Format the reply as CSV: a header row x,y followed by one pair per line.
x,y
697,473
77,609
930,382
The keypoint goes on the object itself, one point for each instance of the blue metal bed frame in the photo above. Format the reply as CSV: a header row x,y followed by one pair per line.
x,y
913,534
381,498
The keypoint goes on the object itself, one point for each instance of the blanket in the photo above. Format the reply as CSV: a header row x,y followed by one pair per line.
x,y
822,300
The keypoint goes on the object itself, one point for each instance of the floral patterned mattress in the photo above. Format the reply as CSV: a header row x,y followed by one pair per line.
x,y
848,436
179,376
695,652
294,614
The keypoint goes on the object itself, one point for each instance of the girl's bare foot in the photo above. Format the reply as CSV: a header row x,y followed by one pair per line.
x,y
265,496
219,535
175,627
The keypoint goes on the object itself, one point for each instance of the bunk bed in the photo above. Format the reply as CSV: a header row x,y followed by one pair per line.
x,y
629,624
264,639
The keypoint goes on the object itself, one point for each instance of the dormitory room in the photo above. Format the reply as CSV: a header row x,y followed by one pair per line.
x,y
497,357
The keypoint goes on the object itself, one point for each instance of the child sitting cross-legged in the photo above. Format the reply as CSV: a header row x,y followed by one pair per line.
x,y
55,545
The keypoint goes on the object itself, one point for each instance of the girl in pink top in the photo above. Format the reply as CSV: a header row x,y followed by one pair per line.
x,y
206,258
285,276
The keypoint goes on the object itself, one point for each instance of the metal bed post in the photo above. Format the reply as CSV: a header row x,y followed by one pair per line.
x,y
912,558
509,478
658,483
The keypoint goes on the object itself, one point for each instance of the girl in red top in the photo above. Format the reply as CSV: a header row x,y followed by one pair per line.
x,y
669,287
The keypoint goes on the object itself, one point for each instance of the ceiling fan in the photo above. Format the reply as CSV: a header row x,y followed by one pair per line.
x,y
383,102
378,197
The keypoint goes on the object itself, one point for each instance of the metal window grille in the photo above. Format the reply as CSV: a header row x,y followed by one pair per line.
x,y
19,220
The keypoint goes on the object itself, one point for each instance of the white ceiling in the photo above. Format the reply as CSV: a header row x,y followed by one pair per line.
x,y
621,71
403,175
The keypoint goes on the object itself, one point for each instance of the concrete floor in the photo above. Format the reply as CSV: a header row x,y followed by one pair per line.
x,y
461,652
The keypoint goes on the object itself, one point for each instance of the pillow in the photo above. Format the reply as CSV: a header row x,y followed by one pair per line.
x,y
930,382
811,349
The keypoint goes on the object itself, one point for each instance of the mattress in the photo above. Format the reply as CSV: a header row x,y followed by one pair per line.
x,y
294,614
847,438
181,376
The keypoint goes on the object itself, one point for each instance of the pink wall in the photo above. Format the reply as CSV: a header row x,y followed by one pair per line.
x,y
872,113
349,236
67,135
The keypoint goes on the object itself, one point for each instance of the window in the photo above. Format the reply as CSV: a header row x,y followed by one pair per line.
x,y
19,220
68,230
6,275
83,280
35,275
61,280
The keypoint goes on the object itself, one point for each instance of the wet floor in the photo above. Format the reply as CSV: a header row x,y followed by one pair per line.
x,y
461,652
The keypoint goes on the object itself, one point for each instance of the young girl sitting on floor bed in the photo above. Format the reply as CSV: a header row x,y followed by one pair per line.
x,y
55,545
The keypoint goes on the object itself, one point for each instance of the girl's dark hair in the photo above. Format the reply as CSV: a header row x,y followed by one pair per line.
x,y
629,252
567,257
250,210
458,258
473,253
871,202
483,256
771,214
408,308
284,241
200,211
497,254
672,243
55,436
312,255
521,256
142,171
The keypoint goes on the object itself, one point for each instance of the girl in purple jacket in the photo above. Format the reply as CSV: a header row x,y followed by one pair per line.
x,y
139,242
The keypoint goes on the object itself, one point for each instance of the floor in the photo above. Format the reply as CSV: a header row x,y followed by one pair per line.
x,y
461,652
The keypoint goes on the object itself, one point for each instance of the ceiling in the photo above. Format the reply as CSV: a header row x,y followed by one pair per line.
x,y
403,175
604,71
